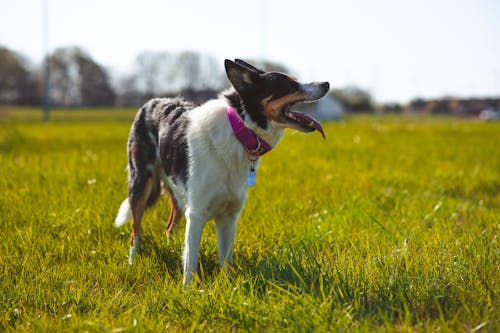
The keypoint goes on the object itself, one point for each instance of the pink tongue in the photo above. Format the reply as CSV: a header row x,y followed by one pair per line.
x,y
310,121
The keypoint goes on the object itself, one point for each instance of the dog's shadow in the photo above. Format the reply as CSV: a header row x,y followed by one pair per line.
x,y
298,271
167,251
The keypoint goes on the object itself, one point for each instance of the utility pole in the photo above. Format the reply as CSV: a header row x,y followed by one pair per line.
x,y
46,72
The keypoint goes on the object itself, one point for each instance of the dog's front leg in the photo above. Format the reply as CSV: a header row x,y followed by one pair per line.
x,y
194,228
225,227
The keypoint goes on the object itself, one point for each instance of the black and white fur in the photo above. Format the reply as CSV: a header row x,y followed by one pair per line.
x,y
191,153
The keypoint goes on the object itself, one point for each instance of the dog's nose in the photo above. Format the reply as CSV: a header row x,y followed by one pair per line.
x,y
325,86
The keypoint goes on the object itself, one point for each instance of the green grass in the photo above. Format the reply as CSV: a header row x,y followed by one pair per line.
x,y
391,224
32,114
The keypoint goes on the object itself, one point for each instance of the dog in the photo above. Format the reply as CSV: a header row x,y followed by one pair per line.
x,y
205,157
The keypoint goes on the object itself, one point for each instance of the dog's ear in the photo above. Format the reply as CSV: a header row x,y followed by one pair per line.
x,y
242,78
247,65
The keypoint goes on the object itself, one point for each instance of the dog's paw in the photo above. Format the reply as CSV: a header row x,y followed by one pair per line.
x,y
131,256
132,253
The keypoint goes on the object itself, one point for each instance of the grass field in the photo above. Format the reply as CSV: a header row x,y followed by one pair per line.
x,y
391,224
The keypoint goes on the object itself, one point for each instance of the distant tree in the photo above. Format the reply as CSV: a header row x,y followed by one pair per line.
x,y
63,77
354,99
127,93
417,104
270,66
199,96
196,71
95,88
164,73
77,80
391,108
15,79
153,73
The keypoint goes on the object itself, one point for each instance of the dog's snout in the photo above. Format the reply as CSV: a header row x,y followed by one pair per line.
x,y
315,90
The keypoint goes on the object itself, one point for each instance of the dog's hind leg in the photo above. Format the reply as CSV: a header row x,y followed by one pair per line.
x,y
139,193
175,212
143,182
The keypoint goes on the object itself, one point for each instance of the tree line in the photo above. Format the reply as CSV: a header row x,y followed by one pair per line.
x,y
77,80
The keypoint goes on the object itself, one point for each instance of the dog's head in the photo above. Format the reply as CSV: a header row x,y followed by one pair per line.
x,y
269,96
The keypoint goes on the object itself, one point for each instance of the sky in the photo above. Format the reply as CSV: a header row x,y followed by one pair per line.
x,y
395,49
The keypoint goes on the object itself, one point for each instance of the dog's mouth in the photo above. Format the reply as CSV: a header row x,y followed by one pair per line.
x,y
299,120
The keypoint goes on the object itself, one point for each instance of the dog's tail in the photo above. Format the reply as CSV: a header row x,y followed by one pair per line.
x,y
124,214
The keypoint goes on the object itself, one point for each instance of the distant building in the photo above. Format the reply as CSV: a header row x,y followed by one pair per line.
x,y
468,107
490,114
327,108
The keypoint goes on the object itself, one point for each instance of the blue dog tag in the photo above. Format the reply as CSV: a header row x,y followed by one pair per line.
x,y
251,178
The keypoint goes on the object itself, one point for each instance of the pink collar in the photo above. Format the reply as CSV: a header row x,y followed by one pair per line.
x,y
254,145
